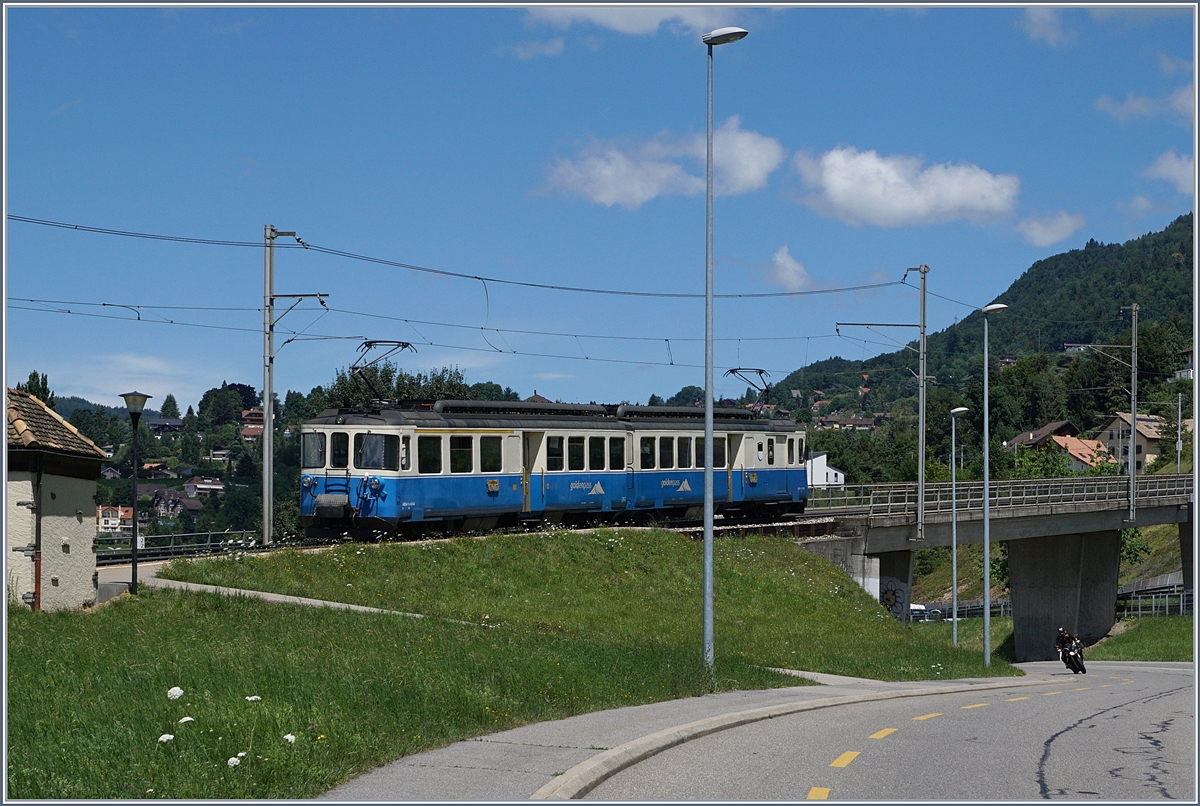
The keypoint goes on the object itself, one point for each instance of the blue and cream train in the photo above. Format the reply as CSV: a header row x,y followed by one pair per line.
x,y
394,468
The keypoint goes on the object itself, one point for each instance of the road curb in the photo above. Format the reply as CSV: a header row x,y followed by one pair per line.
x,y
585,776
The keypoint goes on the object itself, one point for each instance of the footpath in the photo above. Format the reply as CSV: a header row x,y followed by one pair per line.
x,y
567,758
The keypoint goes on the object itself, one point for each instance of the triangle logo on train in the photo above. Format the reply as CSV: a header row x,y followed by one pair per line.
x,y
685,487
597,490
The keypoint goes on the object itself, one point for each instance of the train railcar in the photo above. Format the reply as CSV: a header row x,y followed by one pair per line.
x,y
395,468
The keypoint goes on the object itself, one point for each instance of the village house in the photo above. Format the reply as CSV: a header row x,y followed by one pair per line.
x,y
1041,438
112,520
1114,435
821,473
203,487
253,423
1082,453
52,472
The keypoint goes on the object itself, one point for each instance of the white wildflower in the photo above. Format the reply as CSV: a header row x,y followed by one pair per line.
x,y
186,719
233,762
174,693
253,698
242,754
289,738
166,737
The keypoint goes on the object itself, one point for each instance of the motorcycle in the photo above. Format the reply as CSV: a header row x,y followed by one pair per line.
x,y
1072,656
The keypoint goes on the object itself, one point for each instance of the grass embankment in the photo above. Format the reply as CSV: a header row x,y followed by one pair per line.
x,y
579,622
1162,638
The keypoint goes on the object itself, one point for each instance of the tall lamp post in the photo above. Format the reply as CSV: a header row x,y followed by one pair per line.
x,y
712,39
134,403
954,528
995,307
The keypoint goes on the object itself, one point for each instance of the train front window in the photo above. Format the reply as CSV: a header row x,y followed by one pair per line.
x,y
647,453
575,453
339,449
684,452
791,451
405,452
377,452
770,451
490,457
429,454
312,450
616,453
595,453
460,454
666,452
554,453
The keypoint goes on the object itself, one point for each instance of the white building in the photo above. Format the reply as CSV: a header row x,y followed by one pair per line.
x,y
50,501
821,473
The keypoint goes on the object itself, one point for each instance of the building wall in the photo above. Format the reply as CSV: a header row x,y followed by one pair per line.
x,y
19,577
68,529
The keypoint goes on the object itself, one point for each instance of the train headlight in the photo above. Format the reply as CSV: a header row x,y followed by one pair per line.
x,y
374,484
308,482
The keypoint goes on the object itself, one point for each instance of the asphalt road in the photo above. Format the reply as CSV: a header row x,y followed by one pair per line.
x,y
1124,731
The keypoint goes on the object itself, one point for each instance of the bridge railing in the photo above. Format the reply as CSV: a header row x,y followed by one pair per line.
x,y
901,499
115,549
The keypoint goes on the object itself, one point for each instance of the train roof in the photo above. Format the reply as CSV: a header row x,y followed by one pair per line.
x,y
521,414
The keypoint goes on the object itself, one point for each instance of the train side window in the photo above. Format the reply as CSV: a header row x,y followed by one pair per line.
x,y
791,451
554,453
405,452
718,452
312,450
339,449
429,454
770,451
490,457
684,453
647,453
377,451
666,452
460,454
616,453
595,453
575,453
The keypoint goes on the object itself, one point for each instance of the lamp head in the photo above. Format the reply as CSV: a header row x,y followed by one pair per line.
x,y
957,411
995,307
723,35
135,401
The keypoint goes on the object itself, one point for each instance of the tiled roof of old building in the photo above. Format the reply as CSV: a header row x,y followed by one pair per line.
x,y
32,425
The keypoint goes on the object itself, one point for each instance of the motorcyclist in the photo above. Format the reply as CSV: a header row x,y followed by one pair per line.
x,y
1063,641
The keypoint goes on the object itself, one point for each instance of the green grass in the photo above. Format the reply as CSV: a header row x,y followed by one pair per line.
x,y
579,622
1161,638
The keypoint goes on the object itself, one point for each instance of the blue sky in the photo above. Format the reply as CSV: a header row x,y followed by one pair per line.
x,y
559,146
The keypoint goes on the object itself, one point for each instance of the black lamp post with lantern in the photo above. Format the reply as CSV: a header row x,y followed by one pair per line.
x,y
134,403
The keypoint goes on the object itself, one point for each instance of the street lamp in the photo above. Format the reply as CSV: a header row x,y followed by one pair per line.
x,y
713,38
954,528
995,307
134,403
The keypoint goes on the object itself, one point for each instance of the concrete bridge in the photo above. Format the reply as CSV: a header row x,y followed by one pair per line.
x,y
1063,536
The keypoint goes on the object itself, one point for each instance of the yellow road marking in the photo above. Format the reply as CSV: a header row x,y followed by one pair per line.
x,y
1014,699
1085,688
976,705
818,793
1126,682
845,758
1106,685
927,716
1050,693
882,734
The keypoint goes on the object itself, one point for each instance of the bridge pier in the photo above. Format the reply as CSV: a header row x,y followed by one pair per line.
x,y
1187,537
1062,581
895,582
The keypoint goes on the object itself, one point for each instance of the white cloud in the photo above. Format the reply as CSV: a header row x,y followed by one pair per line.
x,y
1172,167
1045,23
788,272
639,20
1050,229
1179,102
861,187
1140,204
1171,65
531,50
607,174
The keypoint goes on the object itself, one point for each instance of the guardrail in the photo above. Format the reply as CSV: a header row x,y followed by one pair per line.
x,y
1174,602
901,499
115,549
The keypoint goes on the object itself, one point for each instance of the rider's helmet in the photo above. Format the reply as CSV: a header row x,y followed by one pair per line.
x,y
1061,631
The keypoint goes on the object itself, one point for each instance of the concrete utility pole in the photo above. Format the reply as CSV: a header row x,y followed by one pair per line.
x,y
1133,380
269,320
